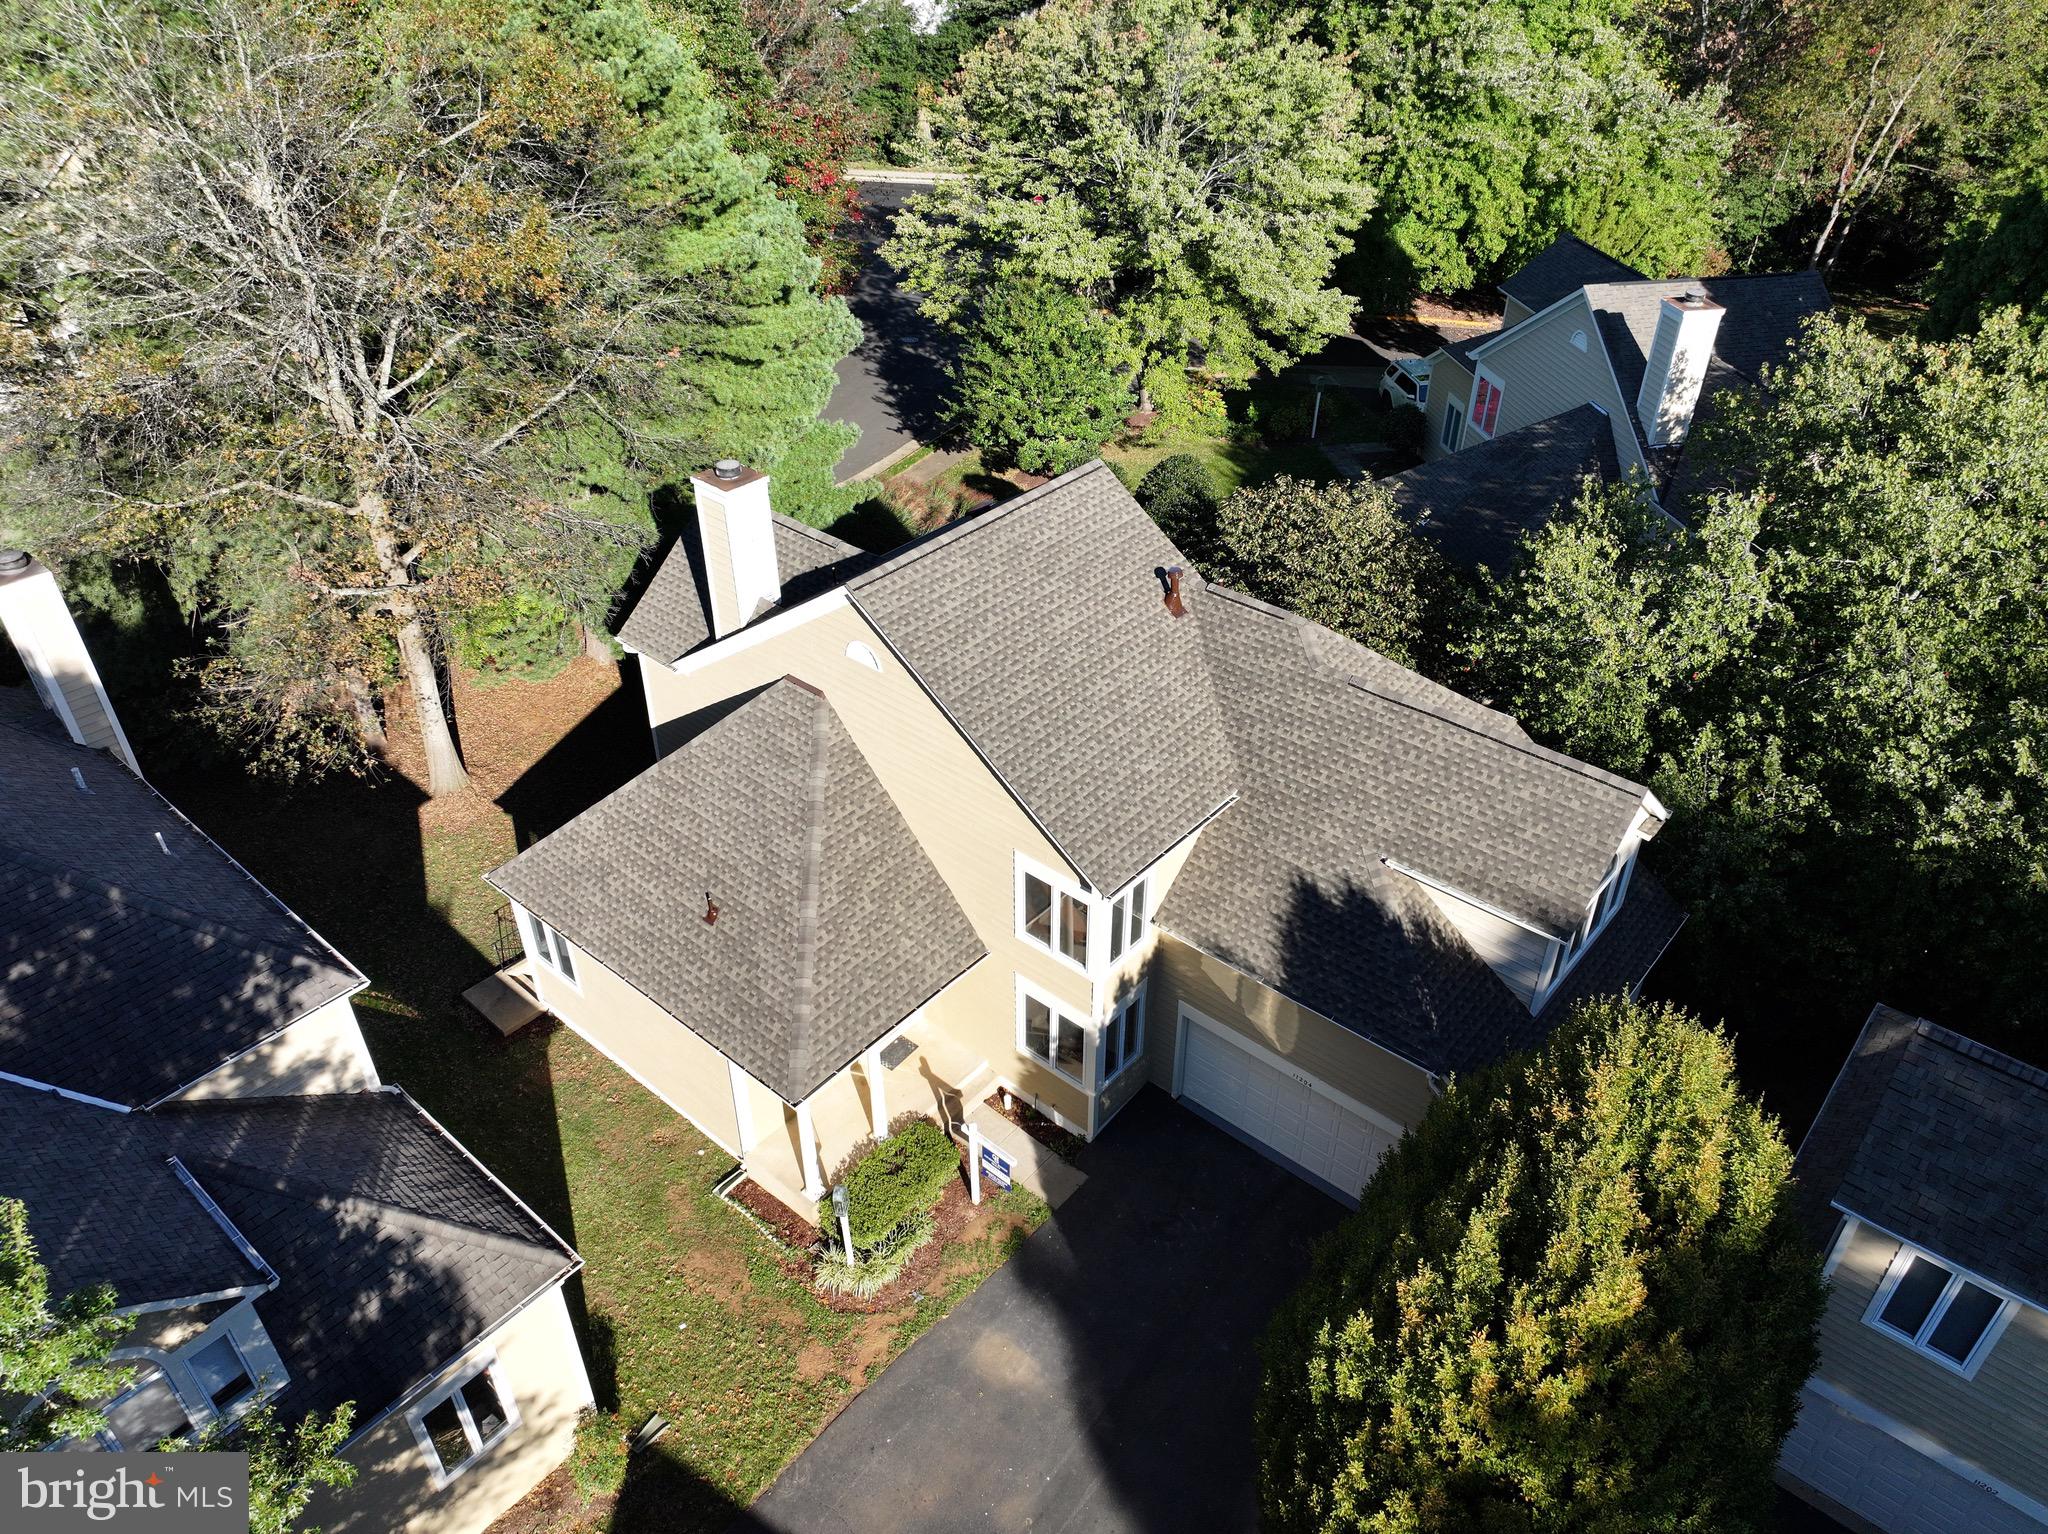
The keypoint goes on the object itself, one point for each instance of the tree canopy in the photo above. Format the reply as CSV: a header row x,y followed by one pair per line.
x,y
53,1349
360,318
1034,383
1190,174
1837,681
1575,1297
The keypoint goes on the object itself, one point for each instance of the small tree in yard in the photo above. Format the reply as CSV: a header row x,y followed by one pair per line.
x,y
1334,553
1034,385
1575,1298
52,1352
286,1465
1180,494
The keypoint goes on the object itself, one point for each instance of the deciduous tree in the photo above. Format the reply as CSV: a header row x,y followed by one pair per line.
x,y
1188,173
53,1370
1574,1298
358,318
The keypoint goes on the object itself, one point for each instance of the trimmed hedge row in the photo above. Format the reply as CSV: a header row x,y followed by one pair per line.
x,y
899,1177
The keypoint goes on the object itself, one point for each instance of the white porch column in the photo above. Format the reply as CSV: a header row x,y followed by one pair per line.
x,y
742,1107
878,1097
807,1144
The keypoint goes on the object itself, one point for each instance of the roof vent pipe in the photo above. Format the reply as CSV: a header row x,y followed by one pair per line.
x,y
1170,579
710,910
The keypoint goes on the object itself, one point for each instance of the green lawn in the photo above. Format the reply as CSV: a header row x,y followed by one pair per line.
x,y
1231,463
683,1306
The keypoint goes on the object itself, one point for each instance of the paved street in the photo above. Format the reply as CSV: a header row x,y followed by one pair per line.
x,y
889,386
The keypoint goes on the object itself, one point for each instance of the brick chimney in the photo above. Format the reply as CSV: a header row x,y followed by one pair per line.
x,y
33,612
741,574
1676,366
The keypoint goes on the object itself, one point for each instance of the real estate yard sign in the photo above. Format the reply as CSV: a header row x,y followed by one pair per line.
x,y
995,1166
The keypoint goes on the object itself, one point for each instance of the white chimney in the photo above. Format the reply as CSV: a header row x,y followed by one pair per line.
x,y
33,612
1676,366
741,573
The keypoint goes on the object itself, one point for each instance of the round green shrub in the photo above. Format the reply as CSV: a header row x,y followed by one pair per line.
x,y
1407,428
1180,493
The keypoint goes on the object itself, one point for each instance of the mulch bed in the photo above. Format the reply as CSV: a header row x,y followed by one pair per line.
x,y
953,1214
1063,1143
791,1228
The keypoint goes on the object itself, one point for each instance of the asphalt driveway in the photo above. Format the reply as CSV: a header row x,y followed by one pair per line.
x,y
892,385
1103,1379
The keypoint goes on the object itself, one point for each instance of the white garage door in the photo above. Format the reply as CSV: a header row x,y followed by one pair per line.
x,y
1293,1115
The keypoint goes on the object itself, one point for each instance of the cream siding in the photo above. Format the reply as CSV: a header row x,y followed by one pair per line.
x,y
1132,969
1997,1420
1515,953
968,824
322,1052
1541,374
1449,380
542,1371
672,1062
1351,1065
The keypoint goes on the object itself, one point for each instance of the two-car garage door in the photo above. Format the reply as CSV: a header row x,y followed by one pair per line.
x,y
1288,1112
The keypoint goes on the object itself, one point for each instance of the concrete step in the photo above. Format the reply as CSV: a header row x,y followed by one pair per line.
x,y
506,997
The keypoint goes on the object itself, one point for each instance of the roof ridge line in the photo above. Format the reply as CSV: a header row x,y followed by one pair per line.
x,y
195,921
823,719
1530,748
1984,1054
953,532
290,1185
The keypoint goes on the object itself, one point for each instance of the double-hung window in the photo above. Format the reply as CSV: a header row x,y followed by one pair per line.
x,y
1454,425
1485,405
1051,915
1126,920
464,1422
1123,1037
549,947
1935,1309
1050,1036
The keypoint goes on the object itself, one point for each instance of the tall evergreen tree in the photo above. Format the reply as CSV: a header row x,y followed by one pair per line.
x,y
1033,384
1574,1298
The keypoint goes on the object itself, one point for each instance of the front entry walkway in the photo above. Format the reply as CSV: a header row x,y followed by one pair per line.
x,y
1103,1379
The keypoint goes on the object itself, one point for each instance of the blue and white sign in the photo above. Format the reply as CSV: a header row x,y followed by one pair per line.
x,y
995,1166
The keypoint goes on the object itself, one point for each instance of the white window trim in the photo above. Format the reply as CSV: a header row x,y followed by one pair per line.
x,y
1132,1008
1059,1009
1556,964
1116,921
1097,921
546,960
1873,1315
485,1362
1481,376
1452,433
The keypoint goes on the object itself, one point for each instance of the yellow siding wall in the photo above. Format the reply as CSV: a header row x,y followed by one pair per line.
x,y
966,821
675,1064
322,1052
1997,1420
1360,1070
1135,968
542,1370
1542,374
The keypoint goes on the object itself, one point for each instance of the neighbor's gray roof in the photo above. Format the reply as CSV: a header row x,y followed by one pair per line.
x,y
1476,505
393,1249
1941,1141
1761,320
1350,761
833,925
1566,264
672,617
131,966
1040,628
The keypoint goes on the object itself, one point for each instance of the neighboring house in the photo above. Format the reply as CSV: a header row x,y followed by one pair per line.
x,y
1650,356
1925,1181
1027,804
190,1115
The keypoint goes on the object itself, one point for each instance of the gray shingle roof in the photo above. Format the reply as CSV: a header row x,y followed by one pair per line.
x,y
672,616
1039,627
1761,321
103,1205
1566,264
1941,1141
392,1248
135,955
1476,505
833,925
